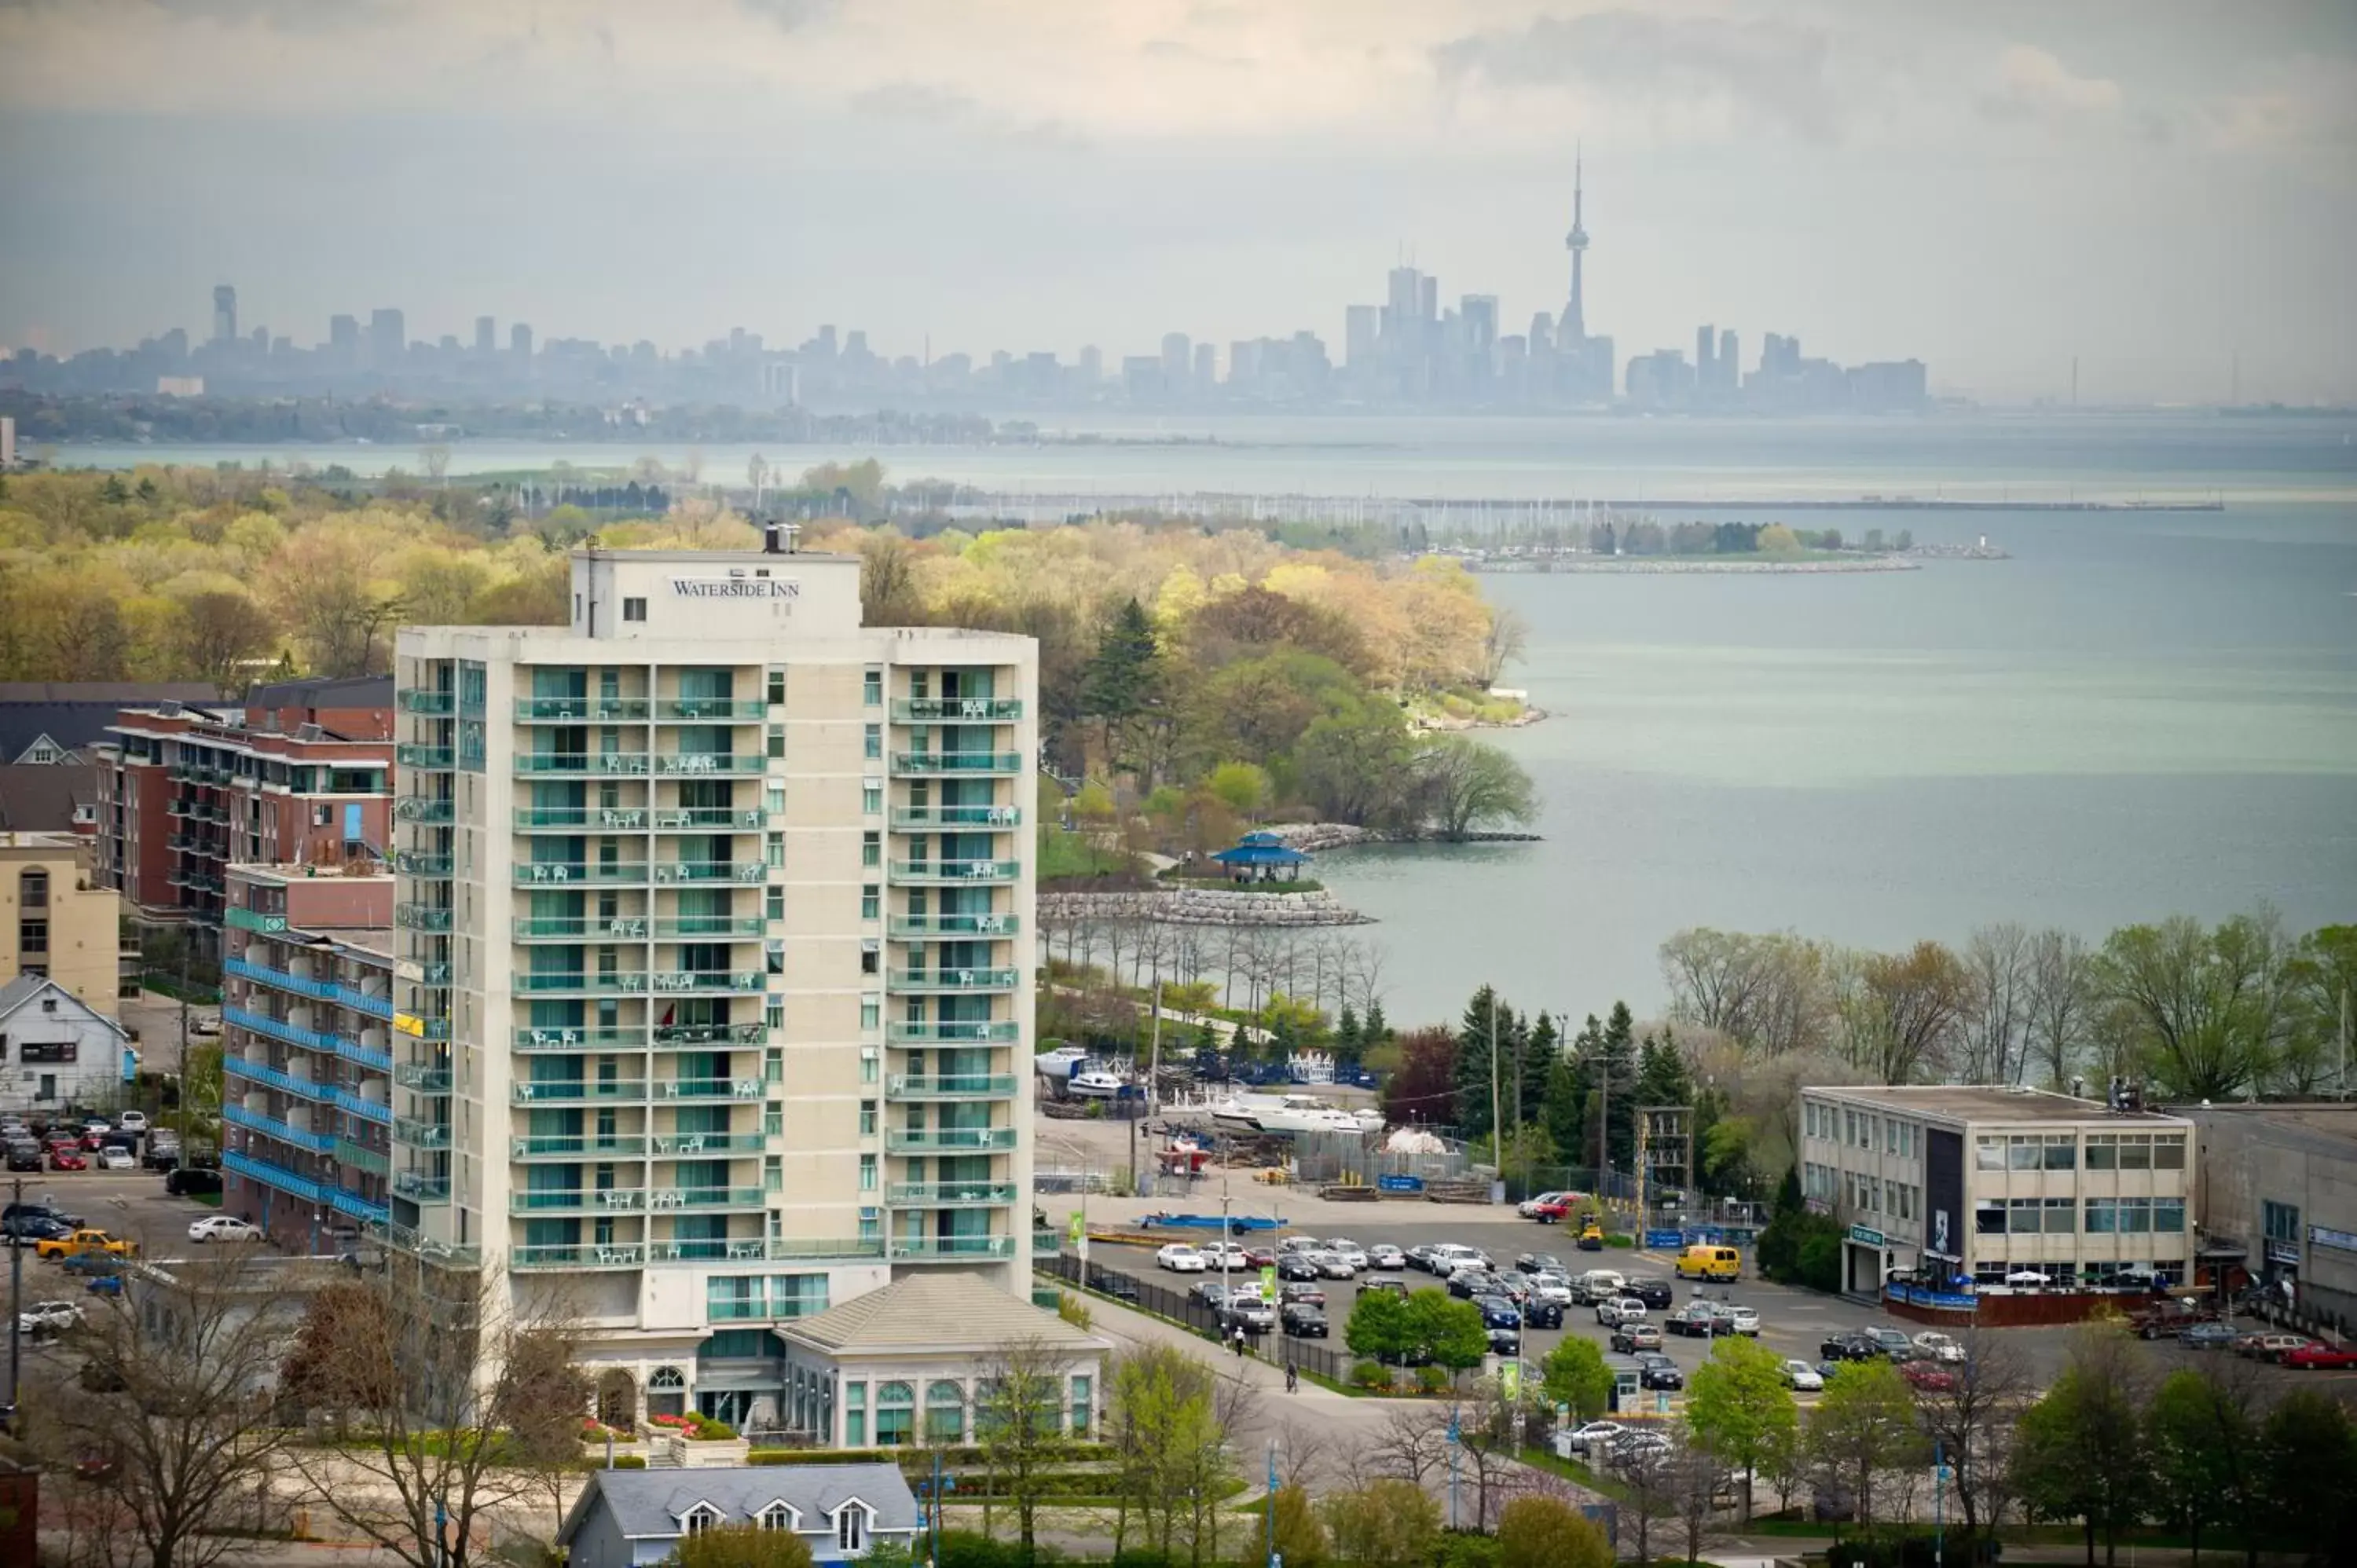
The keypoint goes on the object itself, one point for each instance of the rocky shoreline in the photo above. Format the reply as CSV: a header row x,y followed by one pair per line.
x,y
1199,907
1311,838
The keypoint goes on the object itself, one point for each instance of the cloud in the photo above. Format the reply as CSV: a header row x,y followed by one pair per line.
x,y
2302,104
1723,68
2032,85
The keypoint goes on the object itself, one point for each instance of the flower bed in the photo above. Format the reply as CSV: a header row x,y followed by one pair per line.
x,y
696,1428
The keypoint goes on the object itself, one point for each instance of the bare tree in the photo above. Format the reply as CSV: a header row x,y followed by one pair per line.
x,y
1491,1431
453,1380
168,1426
1972,1423
1018,1418
1694,1478
435,460
1997,970
1307,1453
1412,1443
2062,1003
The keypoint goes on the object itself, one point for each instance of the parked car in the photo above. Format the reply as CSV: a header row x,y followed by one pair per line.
x,y
1304,1321
1382,1282
1599,1284
1636,1447
1659,1372
83,1240
1697,1319
1228,1257
1182,1258
1418,1257
1849,1345
1540,1263
24,1155
1211,1292
1332,1265
1349,1252
1106,1282
1528,1208
1639,1336
2207,1336
2275,1347
1933,1345
66,1158
1383,1255
2321,1357
1927,1376
1803,1379
1261,1257
49,1317
191,1182
99,1265
1497,1312
115,1158
161,1155
1744,1320
1299,1266
1655,1293
1539,1314
1306,1293
1249,1313
1551,1287
1892,1343
1506,1342
131,1122
223,1228
1552,1210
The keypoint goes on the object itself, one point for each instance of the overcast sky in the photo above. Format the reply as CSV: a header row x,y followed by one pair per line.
x,y
1993,186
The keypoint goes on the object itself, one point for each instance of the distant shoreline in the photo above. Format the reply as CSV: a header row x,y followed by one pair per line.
x,y
1646,566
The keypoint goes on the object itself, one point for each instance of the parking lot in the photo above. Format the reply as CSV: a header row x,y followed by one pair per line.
x,y
1792,1322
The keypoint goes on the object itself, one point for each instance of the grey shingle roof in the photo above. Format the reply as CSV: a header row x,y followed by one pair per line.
x,y
648,1503
934,1312
20,992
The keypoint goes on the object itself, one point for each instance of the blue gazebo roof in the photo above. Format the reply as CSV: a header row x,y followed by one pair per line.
x,y
1259,849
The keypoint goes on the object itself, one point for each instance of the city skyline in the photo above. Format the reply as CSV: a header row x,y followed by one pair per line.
x,y
2159,198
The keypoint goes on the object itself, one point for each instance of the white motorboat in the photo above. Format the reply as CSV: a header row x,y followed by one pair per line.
x,y
1306,1113
1243,1112
1094,1083
1060,1063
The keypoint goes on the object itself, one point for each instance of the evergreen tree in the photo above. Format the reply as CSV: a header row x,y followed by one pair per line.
x,y
1375,1031
1584,1056
1473,1041
1564,1110
1662,1077
1538,1046
1620,1109
1125,678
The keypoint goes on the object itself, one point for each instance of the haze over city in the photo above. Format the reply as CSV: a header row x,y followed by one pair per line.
x,y
2163,193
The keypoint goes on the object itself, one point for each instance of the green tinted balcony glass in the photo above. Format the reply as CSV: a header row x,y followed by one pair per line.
x,y
1046,1243
992,1032
955,871
421,1076
733,1089
580,1039
432,758
957,1086
740,1249
737,871
956,710
706,765
933,762
581,928
591,764
575,1146
925,819
580,710
419,1188
424,809
613,1255
609,874
417,700
922,980
704,709
949,1140
579,1201
583,1091
663,1198
950,1249
697,1145
360,1157
600,819
677,1037
950,1194
697,926
428,1248
698,819
413,863
954,924
421,917
420,1135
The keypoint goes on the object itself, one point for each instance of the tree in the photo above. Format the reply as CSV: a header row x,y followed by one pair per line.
x,y
1124,678
1423,1087
1547,1532
1509,638
1778,539
1899,1012
1300,1537
1998,970
1351,762
1492,1428
741,1546
1019,1407
1466,785
1863,1427
2062,996
466,1398
2309,1453
889,595
218,633
2081,1453
1378,1326
1448,1331
2208,1007
1696,1475
1384,1524
1241,787
2200,1440
1739,1407
1576,1375
1168,1442
169,1421
1481,1038
1972,1422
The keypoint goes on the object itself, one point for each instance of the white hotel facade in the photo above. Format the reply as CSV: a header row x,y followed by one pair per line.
x,y
715,949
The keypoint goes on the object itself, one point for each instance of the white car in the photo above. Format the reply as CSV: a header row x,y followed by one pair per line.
x,y
1179,1257
1450,1257
1225,1256
1350,1251
1383,1255
1804,1379
131,1122
1744,1319
223,1228
50,1317
1932,1345
1614,1311
115,1157
1596,1435
1551,1287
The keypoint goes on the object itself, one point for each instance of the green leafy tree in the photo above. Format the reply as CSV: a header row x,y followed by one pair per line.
x,y
1547,1532
1448,1331
1240,786
1739,1407
741,1546
2309,1453
2081,1452
1386,1524
1018,1423
2208,1008
1353,762
1300,1536
1465,785
1576,1375
1170,1451
1378,1326
2201,1441
1863,1428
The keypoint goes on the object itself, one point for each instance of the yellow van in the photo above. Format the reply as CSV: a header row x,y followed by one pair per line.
x,y
1705,1262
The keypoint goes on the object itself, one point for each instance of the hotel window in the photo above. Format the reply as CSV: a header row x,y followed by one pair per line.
x,y
777,740
777,688
867,1065
867,1119
871,956
871,901
1988,1153
773,800
774,850
855,1415
2169,1152
2061,1151
871,688
871,1012
773,1125
1988,1216
773,1013
773,904
868,1173
774,952
2024,1217
871,849
871,798
872,743
634,609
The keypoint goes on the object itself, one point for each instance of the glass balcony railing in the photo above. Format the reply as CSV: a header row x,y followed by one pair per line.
x,y
424,809
695,927
581,764
1046,1243
706,1198
950,1249
617,873
950,1194
579,1091
934,762
699,819
421,917
696,1146
361,1157
956,710
612,1255
602,818
921,979
431,759
734,1088
411,863
983,925
693,710
578,1039
675,1036
706,764
576,1146
417,700
993,1032
580,710
987,871
955,1086
925,819
430,1249
638,983
578,1201
419,1135
741,871
581,928
419,1188
423,1078
949,1140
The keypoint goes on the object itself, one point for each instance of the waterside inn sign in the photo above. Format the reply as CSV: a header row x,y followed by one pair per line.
x,y
736,588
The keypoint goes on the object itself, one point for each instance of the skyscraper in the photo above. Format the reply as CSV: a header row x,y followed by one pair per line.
x,y
388,338
487,336
344,341
715,923
1360,323
1177,362
225,314
520,341
1575,314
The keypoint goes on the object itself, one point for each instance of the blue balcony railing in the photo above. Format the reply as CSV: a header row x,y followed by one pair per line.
x,y
285,1133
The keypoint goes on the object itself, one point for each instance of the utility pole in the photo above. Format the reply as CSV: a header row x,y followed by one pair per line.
x,y
1270,1508
1497,1133
16,1306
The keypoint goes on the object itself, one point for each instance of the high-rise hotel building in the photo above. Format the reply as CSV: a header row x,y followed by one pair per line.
x,y
715,949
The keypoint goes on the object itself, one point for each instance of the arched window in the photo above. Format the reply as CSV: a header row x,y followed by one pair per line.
x,y
701,1517
851,1528
667,1391
896,1407
944,1411
777,1516
618,1400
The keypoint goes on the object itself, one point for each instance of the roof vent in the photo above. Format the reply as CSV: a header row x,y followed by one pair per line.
x,y
310,732
169,708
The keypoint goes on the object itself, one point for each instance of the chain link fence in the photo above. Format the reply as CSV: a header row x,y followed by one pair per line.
x,y
1326,1358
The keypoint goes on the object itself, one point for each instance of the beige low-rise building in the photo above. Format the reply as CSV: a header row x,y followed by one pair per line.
x,y
54,923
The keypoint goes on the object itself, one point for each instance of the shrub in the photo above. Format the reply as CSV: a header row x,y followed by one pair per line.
x,y
1463,1549
1432,1380
742,1546
628,1462
970,1549
1384,1524
1546,1532
1300,1539
1370,1375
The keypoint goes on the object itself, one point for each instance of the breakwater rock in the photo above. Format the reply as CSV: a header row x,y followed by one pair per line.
x,y
1199,907
1312,837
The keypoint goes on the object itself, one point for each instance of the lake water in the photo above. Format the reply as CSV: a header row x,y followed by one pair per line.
x,y
2136,715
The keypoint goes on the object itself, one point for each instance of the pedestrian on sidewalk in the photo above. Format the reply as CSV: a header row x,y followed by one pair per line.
x,y
1292,1378
1240,1341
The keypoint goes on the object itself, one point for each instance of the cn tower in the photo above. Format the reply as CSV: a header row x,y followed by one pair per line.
x,y
1574,326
